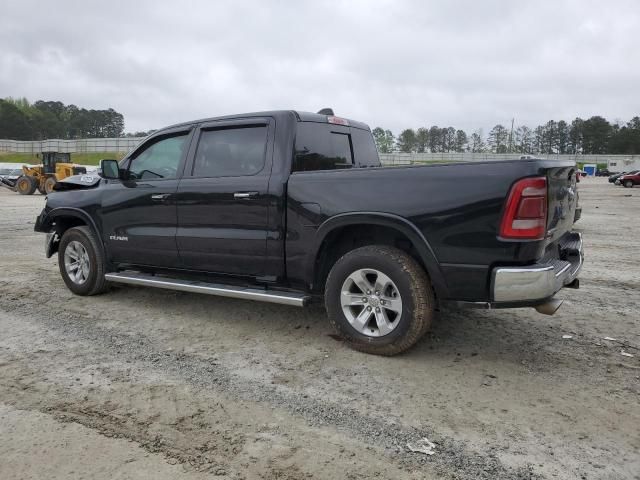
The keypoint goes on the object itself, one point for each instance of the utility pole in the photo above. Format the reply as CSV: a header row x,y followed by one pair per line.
x,y
511,137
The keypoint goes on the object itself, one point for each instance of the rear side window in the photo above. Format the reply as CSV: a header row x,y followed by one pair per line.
x,y
321,147
364,148
231,152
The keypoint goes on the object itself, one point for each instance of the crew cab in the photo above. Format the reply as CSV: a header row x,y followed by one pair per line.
x,y
295,207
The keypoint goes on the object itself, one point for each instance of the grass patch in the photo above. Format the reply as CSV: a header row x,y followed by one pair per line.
x,y
88,158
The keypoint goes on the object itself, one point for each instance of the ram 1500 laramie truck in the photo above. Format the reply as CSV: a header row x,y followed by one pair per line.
x,y
291,207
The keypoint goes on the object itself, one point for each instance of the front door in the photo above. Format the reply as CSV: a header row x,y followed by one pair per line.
x,y
139,212
223,199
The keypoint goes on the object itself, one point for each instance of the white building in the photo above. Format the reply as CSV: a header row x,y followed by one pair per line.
x,y
623,164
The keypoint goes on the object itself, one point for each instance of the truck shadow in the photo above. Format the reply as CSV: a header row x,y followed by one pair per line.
x,y
518,336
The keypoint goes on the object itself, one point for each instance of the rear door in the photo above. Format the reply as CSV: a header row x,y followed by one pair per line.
x,y
139,213
223,199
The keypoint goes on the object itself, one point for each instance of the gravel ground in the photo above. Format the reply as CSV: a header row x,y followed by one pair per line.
x,y
144,383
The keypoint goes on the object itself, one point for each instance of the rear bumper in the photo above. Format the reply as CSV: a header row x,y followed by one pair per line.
x,y
537,283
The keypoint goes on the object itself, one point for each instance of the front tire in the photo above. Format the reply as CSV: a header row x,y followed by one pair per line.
x,y
628,184
81,261
379,300
49,183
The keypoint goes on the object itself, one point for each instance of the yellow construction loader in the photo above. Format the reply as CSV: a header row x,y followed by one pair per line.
x,y
55,167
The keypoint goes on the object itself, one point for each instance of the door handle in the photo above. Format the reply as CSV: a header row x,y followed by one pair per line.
x,y
244,195
160,197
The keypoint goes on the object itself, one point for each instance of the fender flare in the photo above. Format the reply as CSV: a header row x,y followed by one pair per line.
x,y
80,214
390,220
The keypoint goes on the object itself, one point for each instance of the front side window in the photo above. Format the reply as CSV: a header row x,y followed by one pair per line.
x,y
231,152
319,147
160,160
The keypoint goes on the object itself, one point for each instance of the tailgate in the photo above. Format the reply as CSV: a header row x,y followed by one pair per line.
x,y
562,201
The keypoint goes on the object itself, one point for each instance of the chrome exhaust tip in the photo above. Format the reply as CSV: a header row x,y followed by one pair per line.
x,y
550,307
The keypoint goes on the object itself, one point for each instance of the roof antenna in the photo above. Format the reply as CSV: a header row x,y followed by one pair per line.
x,y
326,111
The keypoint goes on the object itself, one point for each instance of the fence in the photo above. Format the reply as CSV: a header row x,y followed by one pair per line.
x,y
448,157
127,143
85,145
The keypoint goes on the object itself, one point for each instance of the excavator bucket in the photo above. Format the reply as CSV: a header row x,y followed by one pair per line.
x,y
5,182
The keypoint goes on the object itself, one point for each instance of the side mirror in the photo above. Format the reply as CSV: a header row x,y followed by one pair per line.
x,y
110,169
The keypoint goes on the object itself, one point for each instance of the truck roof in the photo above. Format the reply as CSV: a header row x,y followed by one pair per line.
x,y
299,115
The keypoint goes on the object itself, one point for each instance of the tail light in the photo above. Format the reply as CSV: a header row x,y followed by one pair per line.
x,y
525,214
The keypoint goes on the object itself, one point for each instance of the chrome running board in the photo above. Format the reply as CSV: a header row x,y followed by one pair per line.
x,y
246,293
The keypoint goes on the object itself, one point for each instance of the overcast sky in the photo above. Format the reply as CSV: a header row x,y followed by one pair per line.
x,y
397,64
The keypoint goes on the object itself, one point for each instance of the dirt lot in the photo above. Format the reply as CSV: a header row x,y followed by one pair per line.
x,y
143,383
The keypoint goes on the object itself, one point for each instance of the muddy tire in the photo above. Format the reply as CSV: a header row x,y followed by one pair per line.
x,y
81,261
49,183
379,300
26,185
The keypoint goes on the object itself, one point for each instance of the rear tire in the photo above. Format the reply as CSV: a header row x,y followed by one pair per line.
x,y
379,300
81,261
26,185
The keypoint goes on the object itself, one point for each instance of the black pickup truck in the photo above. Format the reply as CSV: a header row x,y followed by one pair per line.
x,y
293,207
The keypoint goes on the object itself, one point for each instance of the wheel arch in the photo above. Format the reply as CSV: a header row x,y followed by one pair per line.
x,y
332,237
68,217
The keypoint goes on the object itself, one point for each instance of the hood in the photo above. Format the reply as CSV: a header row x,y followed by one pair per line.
x,y
77,182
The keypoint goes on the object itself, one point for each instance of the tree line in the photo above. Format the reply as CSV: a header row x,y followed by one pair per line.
x,y
595,135
21,120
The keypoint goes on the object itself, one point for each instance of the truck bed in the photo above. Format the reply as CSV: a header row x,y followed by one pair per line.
x,y
457,208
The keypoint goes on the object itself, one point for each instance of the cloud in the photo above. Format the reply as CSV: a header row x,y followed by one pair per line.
x,y
391,63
